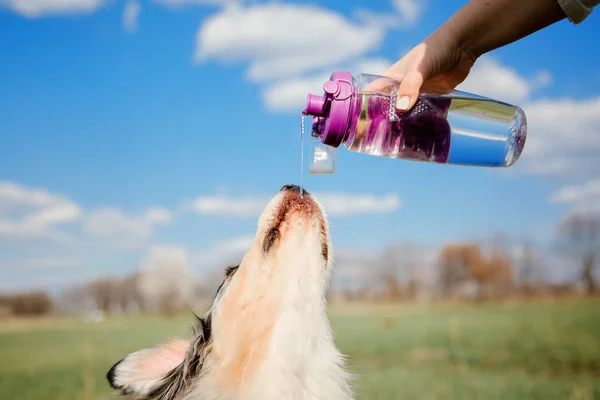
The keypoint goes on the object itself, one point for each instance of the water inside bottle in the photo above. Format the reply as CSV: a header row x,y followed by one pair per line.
x,y
440,129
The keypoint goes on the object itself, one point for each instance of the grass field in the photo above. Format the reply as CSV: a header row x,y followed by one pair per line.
x,y
540,350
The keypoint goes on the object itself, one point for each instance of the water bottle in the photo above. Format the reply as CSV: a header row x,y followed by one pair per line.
x,y
455,128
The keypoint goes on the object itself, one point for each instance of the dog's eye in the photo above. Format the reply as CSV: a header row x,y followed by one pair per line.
x,y
325,252
270,239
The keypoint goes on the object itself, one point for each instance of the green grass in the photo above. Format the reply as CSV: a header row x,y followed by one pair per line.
x,y
538,350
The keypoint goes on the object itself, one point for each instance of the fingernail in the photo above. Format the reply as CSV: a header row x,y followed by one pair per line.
x,y
403,103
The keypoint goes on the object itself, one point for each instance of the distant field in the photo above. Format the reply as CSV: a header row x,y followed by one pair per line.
x,y
538,350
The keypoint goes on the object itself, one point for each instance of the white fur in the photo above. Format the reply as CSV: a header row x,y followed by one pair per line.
x,y
284,291
303,362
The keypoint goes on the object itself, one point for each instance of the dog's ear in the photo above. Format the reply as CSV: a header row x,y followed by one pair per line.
x,y
163,372
142,372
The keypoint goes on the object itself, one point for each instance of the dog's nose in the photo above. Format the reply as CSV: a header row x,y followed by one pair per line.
x,y
285,188
294,188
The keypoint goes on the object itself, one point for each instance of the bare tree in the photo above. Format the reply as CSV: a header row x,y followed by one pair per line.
x,y
74,301
165,279
387,272
130,297
464,263
34,303
529,266
455,267
579,238
397,268
104,293
499,244
499,280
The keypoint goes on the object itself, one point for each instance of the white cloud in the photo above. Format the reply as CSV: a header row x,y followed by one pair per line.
x,y
490,78
541,79
281,40
158,216
375,65
405,14
165,254
585,197
125,231
349,204
289,46
224,253
40,8
131,14
51,215
180,3
37,213
43,8
41,263
32,212
563,139
289,95
232,207
12,193
336,204
409,10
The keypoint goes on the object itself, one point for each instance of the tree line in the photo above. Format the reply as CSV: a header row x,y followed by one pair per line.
x,y
466,270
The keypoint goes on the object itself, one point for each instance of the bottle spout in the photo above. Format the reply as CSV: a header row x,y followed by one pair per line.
x,y
315,105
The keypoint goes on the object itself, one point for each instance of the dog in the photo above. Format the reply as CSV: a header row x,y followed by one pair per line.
x,y
266,334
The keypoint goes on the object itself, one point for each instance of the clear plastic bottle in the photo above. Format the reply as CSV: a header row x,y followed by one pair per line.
x,y
446,128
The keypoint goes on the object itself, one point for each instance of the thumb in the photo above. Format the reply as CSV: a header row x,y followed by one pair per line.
x,y
408,92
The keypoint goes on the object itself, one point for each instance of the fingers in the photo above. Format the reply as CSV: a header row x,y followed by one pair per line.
x,y
378,85
411,70
408,92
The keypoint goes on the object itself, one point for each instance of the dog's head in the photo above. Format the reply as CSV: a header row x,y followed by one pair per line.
x,y
287,266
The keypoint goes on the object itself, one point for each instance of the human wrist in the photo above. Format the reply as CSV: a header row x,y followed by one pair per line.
x,y
481,26
466,31
454,42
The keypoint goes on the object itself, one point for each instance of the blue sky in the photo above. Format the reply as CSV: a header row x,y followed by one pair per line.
x,y
128,128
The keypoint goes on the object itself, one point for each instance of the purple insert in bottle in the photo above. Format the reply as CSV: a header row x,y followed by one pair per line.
x,y
423,132
378,111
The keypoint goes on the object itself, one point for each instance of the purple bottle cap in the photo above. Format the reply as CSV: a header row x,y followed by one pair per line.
x,y
331,110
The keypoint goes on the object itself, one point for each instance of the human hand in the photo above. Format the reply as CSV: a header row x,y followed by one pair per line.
x,y
434,66
445,58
